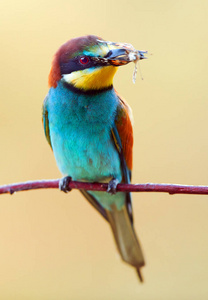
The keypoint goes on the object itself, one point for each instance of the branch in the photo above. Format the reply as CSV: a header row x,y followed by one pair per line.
x,y
146,187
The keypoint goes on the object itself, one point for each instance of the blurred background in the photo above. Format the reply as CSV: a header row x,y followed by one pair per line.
x,y
55,246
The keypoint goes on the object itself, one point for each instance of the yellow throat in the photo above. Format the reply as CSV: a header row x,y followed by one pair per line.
x,y
92,79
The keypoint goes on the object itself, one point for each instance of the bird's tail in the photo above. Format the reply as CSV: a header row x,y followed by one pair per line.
x,y
125,237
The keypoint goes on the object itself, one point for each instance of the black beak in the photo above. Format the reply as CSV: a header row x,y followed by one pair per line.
x,y
118,57
119,54
123,56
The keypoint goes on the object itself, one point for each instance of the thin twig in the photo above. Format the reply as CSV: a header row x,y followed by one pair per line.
x,y
142,187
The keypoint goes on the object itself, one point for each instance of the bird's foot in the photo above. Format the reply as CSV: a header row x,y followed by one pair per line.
x,y
64,184
112,185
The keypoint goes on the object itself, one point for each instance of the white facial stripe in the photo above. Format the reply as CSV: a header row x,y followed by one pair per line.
x,y
70,78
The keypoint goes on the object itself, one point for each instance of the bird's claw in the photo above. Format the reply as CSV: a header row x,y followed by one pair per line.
x,y
112,185
64,184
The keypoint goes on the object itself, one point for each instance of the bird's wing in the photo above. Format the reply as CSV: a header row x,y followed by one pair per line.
x,y
122,132
123,136
121,220
46,121
95,203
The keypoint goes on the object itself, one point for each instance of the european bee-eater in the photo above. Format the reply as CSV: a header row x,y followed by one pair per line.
x,y
89,128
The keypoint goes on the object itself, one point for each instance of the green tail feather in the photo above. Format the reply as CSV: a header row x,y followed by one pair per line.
x,y
126,240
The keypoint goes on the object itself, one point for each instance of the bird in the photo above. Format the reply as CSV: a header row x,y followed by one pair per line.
x,y
88,126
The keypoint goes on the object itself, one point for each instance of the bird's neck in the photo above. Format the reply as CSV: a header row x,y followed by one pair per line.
x,y
87,92
90,107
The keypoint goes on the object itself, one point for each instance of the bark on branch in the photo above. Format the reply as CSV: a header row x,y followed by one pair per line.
x,y
142,187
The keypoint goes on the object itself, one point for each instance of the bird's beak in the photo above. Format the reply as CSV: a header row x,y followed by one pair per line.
x,y
122,54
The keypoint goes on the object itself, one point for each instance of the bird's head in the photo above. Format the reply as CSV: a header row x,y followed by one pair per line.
x,y
90,63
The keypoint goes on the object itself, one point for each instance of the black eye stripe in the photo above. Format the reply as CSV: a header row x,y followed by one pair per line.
x,y
74,64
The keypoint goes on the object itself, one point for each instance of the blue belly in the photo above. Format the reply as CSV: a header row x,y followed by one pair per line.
x,y
84,156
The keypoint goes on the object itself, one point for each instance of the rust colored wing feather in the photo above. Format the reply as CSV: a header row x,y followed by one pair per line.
x,y
121,220
122,133
123,123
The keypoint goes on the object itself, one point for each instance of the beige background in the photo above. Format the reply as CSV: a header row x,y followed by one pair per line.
x,y
55,246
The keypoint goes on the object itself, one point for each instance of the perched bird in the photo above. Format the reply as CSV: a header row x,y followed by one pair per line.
x,y
89,128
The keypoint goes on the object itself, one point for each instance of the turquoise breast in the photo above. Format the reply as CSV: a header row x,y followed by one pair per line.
x,y
80,131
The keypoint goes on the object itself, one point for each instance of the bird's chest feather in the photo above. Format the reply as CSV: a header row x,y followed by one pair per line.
x,y
80,130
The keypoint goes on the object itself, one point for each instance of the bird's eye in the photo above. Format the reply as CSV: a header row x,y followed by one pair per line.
x,y
84,60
